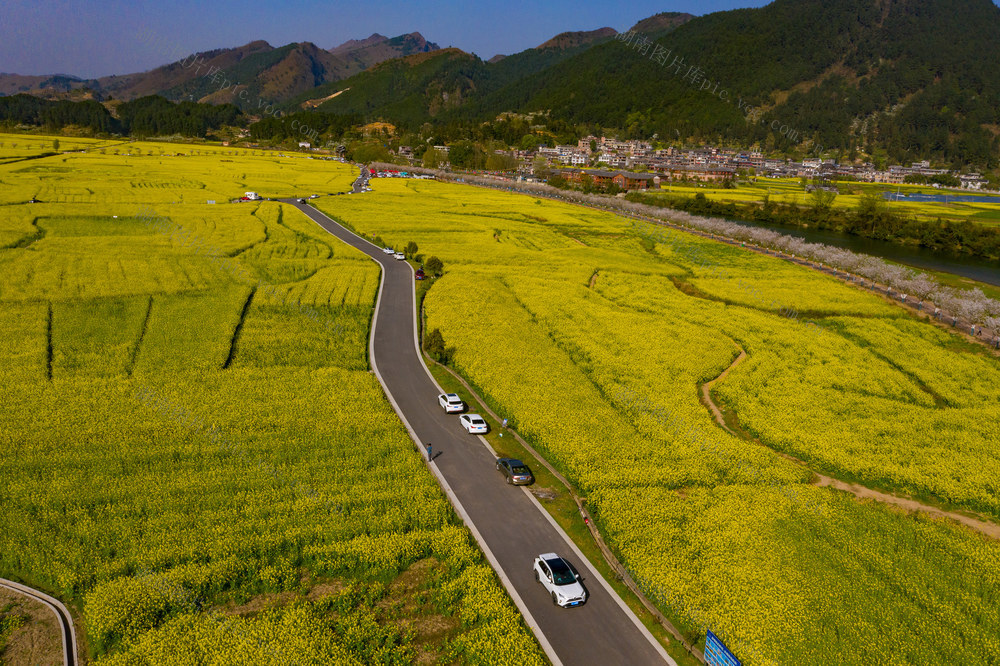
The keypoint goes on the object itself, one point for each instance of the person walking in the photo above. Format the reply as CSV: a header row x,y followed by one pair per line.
x,y
429,455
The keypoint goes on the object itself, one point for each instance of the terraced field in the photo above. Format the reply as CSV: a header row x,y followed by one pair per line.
x,y
594,336
193,453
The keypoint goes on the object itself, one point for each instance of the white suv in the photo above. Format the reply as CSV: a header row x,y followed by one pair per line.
x,y
451,403
560,580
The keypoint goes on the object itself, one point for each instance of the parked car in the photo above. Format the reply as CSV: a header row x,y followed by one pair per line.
x,y
451,402
313,196
388,250
400,256
559,580
474,424
419,274
515,471
302,200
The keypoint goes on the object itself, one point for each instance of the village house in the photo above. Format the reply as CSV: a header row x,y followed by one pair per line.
x,y
700,173
623,179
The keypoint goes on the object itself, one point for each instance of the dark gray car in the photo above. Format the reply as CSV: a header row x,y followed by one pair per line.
x,y
516,472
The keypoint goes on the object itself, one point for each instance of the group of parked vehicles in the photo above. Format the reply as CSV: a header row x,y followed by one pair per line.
x,y
559,578
396,255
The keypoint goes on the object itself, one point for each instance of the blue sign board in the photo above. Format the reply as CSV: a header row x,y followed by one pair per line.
x,y
716,652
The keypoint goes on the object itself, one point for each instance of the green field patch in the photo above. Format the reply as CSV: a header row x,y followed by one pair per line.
x,y
23,343
96,338
304,335
44,168
96,226
191,332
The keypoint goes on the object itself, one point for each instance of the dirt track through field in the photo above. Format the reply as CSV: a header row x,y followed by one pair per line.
x,y
990,529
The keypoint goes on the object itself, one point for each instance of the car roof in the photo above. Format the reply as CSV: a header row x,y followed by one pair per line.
x,y
549,556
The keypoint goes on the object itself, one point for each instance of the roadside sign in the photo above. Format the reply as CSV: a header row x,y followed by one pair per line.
x,y
716,652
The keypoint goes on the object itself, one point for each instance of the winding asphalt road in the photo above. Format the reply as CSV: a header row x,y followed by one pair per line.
x,y
508,522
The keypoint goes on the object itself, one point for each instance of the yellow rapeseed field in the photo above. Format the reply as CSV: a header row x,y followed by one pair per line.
x,y
192,449
594,336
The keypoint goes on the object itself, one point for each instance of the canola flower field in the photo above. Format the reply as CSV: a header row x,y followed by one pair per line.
x,y
193,452
790,191
593,335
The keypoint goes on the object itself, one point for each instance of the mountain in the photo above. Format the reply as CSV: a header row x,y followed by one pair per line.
x,y
366,53
408,90
658,25
352,44
263,73
418,88
572,40
170,77
55,84
905,80
896,80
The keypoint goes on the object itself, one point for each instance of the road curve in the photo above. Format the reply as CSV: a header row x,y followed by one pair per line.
x,y
510,525
62,616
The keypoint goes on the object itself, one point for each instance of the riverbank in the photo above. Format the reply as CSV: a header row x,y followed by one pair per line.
x,y
873,219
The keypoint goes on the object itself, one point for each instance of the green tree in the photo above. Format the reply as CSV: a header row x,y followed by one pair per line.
x,y
55,144
822,199
435,346
540,166
432,158
411,249
500,162
434,266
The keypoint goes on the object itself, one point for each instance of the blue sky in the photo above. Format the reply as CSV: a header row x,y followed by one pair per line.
x,y
98,37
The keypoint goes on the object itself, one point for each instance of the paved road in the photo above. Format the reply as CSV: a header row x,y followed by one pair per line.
x,y
512,527
66,627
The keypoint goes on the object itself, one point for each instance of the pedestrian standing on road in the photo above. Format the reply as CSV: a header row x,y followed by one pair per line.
x,y
429,456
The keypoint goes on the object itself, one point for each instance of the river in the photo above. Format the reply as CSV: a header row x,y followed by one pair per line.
x,y
917,257
940,198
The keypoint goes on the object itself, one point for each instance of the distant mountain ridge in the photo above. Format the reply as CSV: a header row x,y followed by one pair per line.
x,y
899,80
264,72
572,40
424,86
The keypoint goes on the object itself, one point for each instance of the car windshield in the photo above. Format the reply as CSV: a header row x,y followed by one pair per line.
x,y
561,573
520,470
478,422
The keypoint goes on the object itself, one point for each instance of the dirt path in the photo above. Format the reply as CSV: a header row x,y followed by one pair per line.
x,y
706,391
593,280
990,529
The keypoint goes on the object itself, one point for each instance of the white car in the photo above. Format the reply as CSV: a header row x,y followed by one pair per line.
x,y
399,255
388,250
474,424
560,580
451,402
